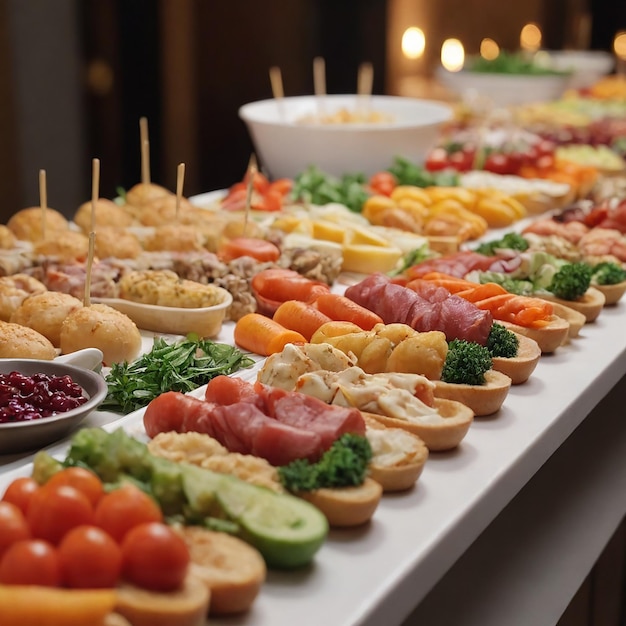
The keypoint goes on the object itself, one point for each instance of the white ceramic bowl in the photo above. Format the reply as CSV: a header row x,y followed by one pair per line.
x,y
505,89
32,435
586,66
286,146
204,321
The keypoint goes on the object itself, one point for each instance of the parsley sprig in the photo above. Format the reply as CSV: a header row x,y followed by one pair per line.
x,y
181,366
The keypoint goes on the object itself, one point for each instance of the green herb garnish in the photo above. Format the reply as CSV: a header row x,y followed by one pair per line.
x,y
181,366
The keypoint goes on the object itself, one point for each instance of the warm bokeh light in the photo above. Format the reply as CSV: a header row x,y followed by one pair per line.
x,y
489,49
452,55
619,45
413,42
530,38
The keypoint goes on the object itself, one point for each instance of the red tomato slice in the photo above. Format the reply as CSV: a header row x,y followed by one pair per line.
x,y
383,183
437,160
258,249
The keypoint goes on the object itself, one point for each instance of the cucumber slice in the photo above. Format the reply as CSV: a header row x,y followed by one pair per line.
x,y
286,530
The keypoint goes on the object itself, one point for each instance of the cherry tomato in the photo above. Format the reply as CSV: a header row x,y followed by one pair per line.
x,y
13,526
498,163
89,558
155,557
82,479
56,509
461,161
383,183
545,146
545,162
20,491
282,186
260,183
126,507
270,200
437,160
31,562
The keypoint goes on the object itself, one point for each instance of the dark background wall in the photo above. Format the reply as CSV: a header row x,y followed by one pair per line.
x,y
76,76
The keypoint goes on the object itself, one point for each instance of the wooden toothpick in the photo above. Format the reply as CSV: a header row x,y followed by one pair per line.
x,y
252,170
276,80
95,190
43,201
319,82
180,180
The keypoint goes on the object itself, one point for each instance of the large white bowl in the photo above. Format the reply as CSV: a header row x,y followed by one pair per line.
x,y
505,89
286,146
586,66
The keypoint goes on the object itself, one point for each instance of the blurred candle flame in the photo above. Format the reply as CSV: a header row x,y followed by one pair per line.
x,y
530,38
489,49
452,55
413,42
619,45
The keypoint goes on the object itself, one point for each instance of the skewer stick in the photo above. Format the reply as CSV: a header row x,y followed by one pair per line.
x,y
180,179
276,79
90,254
319,82
43,201
144,147
95,193
145,162
365,82
252,170
95,187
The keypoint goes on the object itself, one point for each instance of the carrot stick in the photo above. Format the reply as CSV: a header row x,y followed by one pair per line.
x,y
50,606
301,317
342,309
262,335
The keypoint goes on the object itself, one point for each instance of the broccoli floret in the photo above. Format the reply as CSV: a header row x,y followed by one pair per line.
x,y
502,342
510,241
344,464
466,363
608,273
571,281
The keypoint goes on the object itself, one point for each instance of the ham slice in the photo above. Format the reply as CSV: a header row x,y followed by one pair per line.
x,y
277,425
424,307
240,427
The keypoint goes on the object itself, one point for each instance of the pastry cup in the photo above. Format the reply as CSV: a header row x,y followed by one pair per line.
x,y
439,435
519,368
485,399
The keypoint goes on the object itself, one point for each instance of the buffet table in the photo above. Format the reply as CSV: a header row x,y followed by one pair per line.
x,y
535,549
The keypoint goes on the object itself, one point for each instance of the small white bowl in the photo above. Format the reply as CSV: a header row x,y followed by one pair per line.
x,y
286,145
505,89
586,67
32,435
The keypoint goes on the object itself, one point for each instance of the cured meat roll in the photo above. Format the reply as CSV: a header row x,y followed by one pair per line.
x,y
423,307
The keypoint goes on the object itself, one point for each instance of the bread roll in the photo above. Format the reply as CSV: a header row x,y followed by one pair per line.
x,y
45,312
106,213
27,224
143,193
7,238
117,243
101,326
21,342
175,238
14,290
67,246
